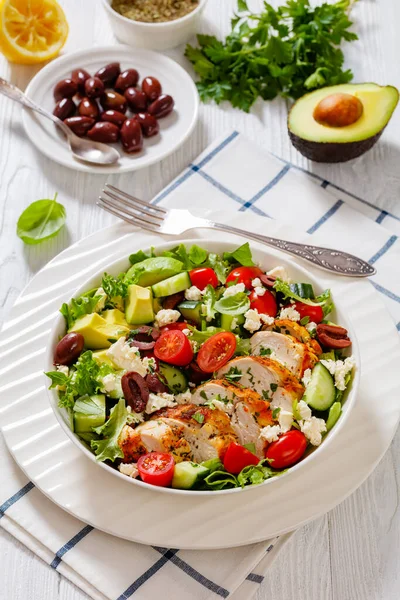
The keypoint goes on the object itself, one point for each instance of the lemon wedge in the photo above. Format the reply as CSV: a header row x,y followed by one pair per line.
x,y
31,31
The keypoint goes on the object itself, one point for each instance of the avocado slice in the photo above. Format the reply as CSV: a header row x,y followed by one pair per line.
x,y
152,270
139,305
97,332
340,122
114,316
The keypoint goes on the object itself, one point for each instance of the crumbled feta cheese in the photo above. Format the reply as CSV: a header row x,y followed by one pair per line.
x,y
256,282
234,323
195,346
234,289
304,410
289,313
108,382
134,418
311,326
306,377
253,321
279,272
126,357
129,469
184,397
187,332
149,364
270,433
258,287
312,429
193,293
102,300
224,406
157,401
62,369
266,319
339,370
259,291
285,420
166,316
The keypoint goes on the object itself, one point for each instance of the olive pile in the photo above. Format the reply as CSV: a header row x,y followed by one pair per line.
x,y
96,106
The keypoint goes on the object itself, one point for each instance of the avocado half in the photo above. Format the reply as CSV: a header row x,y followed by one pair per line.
x,y
323,143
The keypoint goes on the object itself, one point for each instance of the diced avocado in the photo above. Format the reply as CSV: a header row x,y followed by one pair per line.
x,y
187,474
173,285
100,356
340,122
97,332
139,305
173,378
156,305
191,311
84,422
152,270
227,320
115,317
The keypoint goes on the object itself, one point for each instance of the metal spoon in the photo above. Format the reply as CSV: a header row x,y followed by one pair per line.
x,y
84,150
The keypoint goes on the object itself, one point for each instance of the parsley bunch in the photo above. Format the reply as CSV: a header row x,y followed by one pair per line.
x,y
286,51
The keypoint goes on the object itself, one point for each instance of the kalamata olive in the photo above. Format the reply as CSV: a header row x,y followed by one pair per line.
x,y
136,391
109,73
69,348
64,108
80,125
137,100
127,79
113,116
105,132
131,136
155,385
148,123
111,100
88,107
94,87
152,88
79,76
66,88
162,106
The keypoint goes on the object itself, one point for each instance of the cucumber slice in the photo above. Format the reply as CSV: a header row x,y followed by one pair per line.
x,y
321,392
173,378
84,422
334,413
226,322
172,285
187,474
191,311
304,290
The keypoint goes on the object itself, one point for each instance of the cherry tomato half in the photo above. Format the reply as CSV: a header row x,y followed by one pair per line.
x,y
315,313
244,275
265,305
237,458
156,468
202,277
174,326
216,351
287,450
174,348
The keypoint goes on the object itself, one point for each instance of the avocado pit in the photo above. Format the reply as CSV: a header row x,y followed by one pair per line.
x,y
338,110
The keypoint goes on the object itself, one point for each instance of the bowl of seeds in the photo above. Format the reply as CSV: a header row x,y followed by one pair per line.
x,y
154,24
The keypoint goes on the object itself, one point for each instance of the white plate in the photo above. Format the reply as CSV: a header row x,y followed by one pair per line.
x,y
58,468
267,260
174,129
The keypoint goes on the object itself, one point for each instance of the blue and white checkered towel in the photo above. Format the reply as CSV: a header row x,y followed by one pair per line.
x,y
232,174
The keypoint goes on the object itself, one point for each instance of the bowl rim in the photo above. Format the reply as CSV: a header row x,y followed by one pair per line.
x,y
52,395
145,25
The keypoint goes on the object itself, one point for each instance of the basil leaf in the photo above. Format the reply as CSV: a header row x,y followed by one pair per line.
x,y
241,255
197,255
108,448
233,305
41,221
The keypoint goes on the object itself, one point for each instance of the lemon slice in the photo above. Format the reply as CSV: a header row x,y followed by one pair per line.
x,y
31,31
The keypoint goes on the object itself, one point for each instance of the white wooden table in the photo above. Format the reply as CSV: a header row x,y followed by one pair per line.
x,y
353,553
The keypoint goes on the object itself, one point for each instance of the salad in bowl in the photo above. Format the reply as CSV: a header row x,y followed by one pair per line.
x,y
198,370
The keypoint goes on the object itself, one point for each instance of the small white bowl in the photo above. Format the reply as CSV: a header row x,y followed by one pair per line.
x,y
154,36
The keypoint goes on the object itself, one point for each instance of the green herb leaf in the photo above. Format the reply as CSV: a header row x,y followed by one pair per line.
x,y
234,374
41,221
265,351
241,255
275,412
199,417
108,448
233,305
57,378
305,320
250,447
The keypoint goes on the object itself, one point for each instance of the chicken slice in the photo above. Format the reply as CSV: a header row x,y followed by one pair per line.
x,y
221,389
248,418
296,330
294,355
154,436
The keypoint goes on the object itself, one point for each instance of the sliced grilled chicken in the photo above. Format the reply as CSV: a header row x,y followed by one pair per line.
x,y
294,355
296,330
249,417
263,375
221,389
175,430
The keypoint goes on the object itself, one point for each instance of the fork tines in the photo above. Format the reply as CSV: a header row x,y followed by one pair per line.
x,y
131,209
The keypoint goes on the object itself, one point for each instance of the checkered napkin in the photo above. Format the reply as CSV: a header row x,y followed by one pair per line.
x,y
232,175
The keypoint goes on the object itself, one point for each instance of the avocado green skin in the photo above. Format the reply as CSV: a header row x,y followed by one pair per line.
x,y
329,152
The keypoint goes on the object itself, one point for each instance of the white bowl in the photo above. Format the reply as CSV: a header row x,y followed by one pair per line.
x,y
266,260
154,36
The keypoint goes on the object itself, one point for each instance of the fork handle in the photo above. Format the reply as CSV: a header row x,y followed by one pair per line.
x,y
341,263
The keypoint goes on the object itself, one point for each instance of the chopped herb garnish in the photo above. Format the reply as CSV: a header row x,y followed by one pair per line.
x,y
275,412
199,417
305,320
203,395
265,395
265,351
274,387
234,374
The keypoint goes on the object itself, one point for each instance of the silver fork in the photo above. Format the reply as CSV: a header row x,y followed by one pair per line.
x,y
176,221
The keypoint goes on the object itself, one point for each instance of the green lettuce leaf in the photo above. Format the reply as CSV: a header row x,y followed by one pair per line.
x,y
233,305
115,286
256,474
108,448
324,300
79,307
197,255
209,299
220,267
241,255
